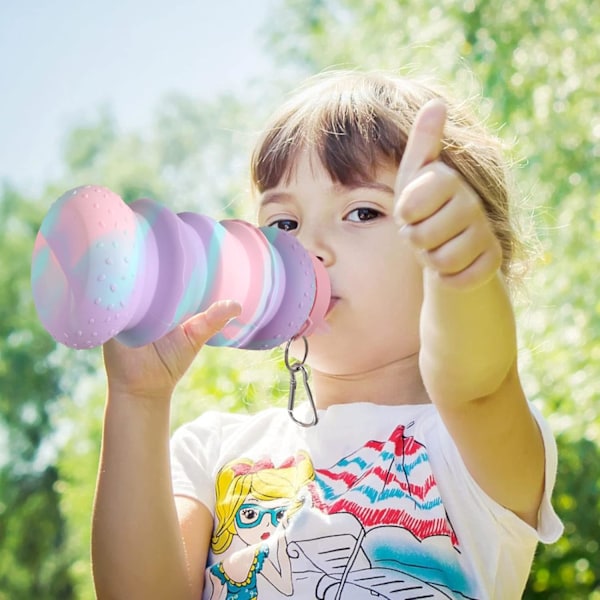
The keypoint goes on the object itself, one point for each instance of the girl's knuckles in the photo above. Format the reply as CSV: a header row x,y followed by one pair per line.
x,y
445,261
418,237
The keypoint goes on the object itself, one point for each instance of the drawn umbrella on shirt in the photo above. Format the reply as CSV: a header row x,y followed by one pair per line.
x,y
387,482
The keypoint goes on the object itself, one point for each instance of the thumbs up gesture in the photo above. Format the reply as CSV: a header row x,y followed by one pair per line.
x,y
440,215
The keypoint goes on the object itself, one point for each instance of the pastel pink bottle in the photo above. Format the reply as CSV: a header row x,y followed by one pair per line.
x,y
102,268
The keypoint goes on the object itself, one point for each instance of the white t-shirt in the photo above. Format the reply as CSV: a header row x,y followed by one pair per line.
x,y
372,502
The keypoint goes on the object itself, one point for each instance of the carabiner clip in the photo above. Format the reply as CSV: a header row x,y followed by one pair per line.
x,y
294,368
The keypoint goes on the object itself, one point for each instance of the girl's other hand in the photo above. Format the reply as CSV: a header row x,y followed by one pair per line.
x,y
152,371
439,213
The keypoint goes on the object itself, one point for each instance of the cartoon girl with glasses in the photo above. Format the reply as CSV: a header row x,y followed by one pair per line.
x,y
254,502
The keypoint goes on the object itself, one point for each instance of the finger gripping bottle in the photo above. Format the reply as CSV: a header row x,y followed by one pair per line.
x,y
102,268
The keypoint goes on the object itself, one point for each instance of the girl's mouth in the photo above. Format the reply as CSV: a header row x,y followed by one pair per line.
x,y
334,300
265,535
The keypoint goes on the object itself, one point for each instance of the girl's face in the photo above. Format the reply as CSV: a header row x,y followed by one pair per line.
x,y
376,280
256,520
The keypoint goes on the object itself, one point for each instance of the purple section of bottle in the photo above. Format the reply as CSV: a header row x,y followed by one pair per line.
x,y
299,293
254,276
160,278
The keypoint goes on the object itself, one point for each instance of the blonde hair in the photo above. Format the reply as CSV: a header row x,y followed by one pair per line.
x,y
356,121
242,477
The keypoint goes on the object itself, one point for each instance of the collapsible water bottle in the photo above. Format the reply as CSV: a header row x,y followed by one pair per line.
x,y
102,268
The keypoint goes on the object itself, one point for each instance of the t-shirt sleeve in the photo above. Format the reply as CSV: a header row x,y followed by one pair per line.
x,y
493,538
549,527
194,454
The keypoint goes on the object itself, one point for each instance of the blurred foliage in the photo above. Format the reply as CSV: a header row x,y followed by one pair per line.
x,y
534,70
570,568
32,527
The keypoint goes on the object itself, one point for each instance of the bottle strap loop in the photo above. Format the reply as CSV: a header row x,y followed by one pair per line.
x,y
294,368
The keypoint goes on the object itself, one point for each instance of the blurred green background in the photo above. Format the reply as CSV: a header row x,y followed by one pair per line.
x,y
536,70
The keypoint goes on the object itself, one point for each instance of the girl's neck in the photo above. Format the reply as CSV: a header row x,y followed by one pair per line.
x,y
392,384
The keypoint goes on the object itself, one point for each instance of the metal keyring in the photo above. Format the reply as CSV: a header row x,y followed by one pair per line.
x,y
286,354
294,368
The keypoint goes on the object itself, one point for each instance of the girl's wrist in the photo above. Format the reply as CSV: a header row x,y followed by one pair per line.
x,y
156,401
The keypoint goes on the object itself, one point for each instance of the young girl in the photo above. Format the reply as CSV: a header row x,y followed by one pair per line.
x,y
432,473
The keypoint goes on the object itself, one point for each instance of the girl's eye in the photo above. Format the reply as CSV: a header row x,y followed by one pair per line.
x,y
360,215
285,224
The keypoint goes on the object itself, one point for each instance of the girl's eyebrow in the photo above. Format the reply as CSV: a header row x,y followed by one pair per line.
x,y
369,185
272,197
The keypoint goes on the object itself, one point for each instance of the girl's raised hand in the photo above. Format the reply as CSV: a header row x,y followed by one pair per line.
x,y
152,371
440,215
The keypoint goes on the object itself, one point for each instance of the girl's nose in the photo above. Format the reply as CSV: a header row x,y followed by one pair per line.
x,y
317,243
324,255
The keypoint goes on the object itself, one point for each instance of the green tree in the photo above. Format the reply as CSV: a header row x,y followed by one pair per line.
x,y
32,528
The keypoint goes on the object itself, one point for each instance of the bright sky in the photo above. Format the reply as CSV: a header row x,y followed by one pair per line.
x,y
60,60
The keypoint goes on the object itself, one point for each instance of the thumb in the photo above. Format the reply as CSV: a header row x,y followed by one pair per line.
x,y
204,325
424,142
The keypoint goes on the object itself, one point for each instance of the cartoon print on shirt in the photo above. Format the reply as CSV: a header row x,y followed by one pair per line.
x,y
388,534
254,501
403,544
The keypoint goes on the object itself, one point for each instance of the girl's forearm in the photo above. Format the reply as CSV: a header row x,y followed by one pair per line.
x,y
137,549
468,339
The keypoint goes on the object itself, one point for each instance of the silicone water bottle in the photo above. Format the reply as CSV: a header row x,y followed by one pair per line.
x,y
102,268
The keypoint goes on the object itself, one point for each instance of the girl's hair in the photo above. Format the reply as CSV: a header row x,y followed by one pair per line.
x,y
243,477
357,121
